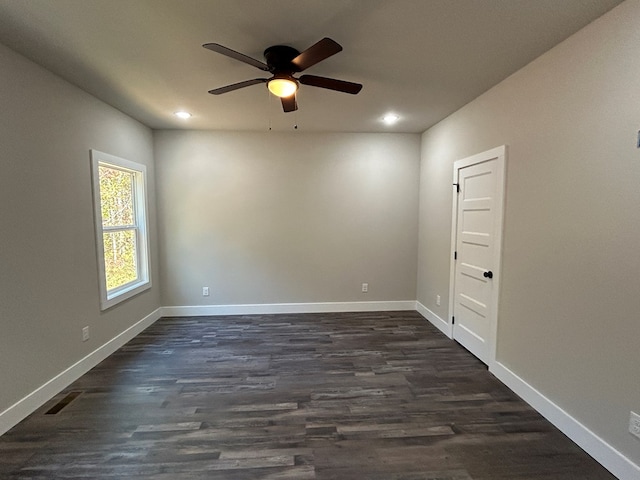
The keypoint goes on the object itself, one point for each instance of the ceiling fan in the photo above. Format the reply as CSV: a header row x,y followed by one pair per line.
x,y
282,62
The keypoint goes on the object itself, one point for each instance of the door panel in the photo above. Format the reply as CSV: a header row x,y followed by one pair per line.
x,y
475,246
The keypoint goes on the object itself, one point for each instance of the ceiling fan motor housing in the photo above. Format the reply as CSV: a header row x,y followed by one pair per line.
x,y
279,58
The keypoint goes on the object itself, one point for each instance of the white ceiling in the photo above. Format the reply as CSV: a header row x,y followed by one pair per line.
x,y
422,59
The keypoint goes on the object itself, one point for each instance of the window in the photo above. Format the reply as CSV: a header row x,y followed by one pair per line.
x,y
120,201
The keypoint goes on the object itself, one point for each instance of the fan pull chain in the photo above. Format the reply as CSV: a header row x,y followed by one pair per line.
x,y
269,107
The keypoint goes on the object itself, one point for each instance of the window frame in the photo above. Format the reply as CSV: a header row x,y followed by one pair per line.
x,y
109,298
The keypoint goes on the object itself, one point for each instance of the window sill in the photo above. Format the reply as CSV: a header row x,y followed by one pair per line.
x,y
108,301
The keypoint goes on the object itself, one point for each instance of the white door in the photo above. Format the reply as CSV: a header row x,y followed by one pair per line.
x,y
478,225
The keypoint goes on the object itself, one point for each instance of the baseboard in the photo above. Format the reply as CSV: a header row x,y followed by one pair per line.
x,y
601,451
437,322
273,308
24,407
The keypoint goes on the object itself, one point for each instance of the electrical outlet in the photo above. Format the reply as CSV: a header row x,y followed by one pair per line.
x,y
205,291
438,300
365,287
634,424
85,334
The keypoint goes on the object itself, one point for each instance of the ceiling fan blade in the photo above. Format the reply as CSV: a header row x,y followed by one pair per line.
x,y
316,53
236,86
331,84
215,47
289,104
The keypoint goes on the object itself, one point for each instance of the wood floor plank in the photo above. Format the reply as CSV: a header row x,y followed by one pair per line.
x,y
339,396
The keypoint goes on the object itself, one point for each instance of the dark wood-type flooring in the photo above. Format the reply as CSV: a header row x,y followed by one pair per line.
x,y
381,396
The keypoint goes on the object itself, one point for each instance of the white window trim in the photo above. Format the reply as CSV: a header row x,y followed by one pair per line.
x,y
109,299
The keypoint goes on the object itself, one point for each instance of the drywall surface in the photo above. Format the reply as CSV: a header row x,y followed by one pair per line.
x,y
568,317
48,273
264,218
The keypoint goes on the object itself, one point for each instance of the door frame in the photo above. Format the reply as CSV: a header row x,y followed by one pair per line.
x,y
499,154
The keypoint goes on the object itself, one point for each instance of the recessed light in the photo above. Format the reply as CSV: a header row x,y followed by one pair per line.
x,y
183,115
390,118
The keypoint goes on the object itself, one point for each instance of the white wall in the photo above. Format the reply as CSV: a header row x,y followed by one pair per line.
x,y
568,317
48,270
296,217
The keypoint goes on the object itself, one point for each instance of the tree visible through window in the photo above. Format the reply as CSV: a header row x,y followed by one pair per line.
x,y
118,226
121,227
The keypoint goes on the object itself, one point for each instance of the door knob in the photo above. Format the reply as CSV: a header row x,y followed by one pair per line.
x,y
488,274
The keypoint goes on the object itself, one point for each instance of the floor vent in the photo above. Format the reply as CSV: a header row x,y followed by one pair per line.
x,y
71,396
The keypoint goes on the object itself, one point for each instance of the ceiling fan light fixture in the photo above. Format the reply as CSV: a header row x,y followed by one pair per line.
x,y
282,87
